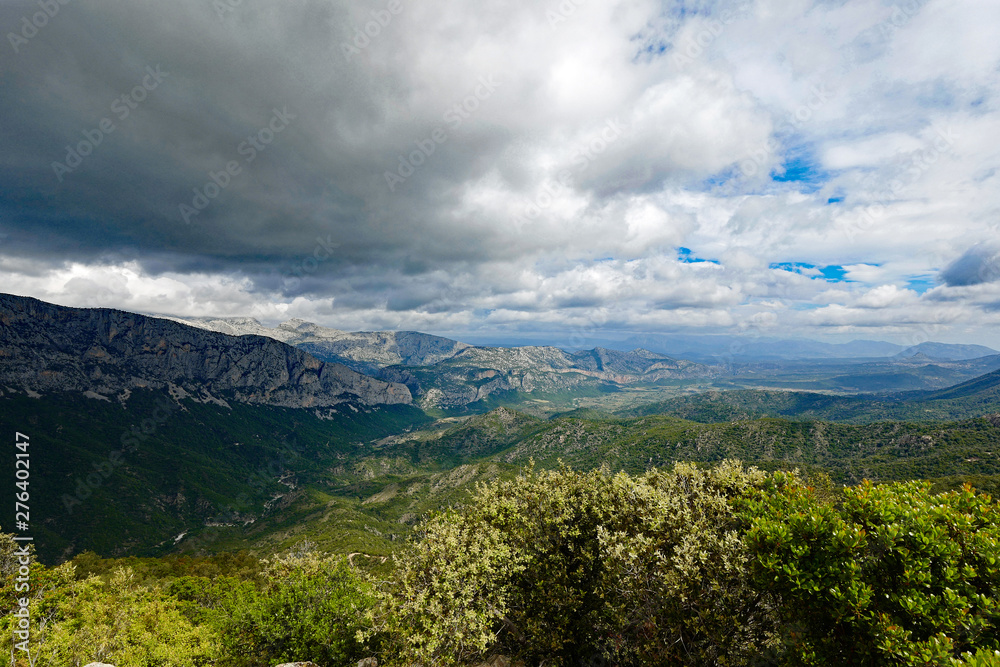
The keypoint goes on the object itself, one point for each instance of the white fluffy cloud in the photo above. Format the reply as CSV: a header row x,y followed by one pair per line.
x,y
826,167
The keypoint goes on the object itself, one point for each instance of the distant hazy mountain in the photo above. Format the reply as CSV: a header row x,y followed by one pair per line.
x,y
450,374
48,348
978,397
478,373
750,348
946,351
601,363
811,349
364,351
445,373
984,390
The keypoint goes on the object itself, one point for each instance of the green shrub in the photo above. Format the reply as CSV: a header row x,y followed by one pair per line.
x,y
48,588
568,568
310,607
983,658
124,624
893,575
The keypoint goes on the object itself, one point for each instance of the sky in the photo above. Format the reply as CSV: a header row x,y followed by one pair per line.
x,y
536,168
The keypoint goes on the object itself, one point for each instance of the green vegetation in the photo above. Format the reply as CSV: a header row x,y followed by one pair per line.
x,y
307,606
714,407
974,398
884,451
120,479
634,541
209,478
229,612
888,574
559,567
689,566
701,567
372,504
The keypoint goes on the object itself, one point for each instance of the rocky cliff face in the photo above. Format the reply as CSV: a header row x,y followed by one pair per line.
x,y
44,347
476,373
445,373
364,351
601,363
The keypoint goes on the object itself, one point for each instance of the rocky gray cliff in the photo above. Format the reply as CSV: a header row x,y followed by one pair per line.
x,y
46,348
444,373
476,373
364,351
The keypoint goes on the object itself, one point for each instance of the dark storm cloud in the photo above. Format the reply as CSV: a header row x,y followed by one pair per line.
x,y
266,91
455,164
979,264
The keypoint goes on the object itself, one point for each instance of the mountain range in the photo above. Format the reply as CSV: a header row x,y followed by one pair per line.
x,y
368,351
748,348
300,364
364,351
448,374
946,351
478,374
104,352
152,435
977,397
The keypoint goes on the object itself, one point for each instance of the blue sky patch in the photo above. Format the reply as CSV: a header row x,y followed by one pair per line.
x,y
655,49
800,169
833,273
920,284
800,166
720,178
685,255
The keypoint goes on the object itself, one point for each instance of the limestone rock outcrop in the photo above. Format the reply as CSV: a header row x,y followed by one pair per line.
x,y
48,348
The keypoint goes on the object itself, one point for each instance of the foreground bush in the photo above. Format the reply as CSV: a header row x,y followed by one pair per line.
x,y
310,607
118,622
299,607
567,568
725,566
893,575
700,567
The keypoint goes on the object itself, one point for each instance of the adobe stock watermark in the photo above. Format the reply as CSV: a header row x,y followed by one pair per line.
x,y
381,18
694,46
913,168
322,252
122,107
581,160
562,12
926,331
258,481
30,26
793,122
85,486
249,149
989,267
748,331
454,116
899,17
580,333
